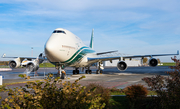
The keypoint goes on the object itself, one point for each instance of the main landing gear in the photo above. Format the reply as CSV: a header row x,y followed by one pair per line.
x,y
99,71
76,71
88,71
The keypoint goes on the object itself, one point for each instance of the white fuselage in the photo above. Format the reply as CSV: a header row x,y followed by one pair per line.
x,y
65,48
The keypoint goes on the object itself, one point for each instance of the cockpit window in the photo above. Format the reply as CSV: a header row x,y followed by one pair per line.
x,y
58,31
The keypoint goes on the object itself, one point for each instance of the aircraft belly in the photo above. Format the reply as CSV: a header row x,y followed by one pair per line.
x,y
81,63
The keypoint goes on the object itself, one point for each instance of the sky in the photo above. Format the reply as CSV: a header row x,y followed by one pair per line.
x,y
131,27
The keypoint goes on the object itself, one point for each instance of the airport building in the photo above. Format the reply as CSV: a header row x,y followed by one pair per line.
x,y
132,62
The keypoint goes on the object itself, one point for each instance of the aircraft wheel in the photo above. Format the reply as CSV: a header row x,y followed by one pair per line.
x,y
74,72
90,71
86,71
62,76
99,71
77,71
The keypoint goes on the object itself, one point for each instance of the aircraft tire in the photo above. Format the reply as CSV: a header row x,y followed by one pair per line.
x,y
74,72
62,76
77,71
86,71
99,72
90,71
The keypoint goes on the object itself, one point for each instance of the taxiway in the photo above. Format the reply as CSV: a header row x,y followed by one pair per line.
x,y
110,78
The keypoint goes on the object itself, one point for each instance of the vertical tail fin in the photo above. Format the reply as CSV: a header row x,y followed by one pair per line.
x,y
91,42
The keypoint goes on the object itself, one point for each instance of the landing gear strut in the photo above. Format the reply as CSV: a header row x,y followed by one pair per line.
x,y
76,71
61,73
99,71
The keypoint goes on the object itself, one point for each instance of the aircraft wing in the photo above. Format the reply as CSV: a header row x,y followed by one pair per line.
x,y
98,59
4,56
22,58
106,52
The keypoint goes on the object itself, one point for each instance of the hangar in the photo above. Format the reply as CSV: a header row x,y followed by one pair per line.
x,y
133,62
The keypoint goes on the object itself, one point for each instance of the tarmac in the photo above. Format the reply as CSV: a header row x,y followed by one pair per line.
x,y
111,77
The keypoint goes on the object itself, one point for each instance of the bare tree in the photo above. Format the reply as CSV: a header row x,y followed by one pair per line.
x,y
158,60
145,60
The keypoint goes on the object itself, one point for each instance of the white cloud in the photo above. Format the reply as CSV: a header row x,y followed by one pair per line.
x,y
125,25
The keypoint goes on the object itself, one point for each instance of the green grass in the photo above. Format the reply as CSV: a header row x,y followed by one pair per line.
x,y
152,93
168,64
117,93
122,102
46,65
49,65
121,93
4,66
119,102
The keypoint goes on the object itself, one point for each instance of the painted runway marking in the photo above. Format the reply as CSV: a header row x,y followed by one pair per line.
x,y
5,69
134,81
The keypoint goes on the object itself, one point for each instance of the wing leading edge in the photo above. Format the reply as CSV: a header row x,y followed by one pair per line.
x,y
28,58
98,59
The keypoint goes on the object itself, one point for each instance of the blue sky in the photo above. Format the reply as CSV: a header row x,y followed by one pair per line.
x,y
131,27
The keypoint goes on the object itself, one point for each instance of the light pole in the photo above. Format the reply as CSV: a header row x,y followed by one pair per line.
x,y
32,51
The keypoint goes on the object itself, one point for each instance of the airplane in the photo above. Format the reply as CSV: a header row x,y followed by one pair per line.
x,y
64,49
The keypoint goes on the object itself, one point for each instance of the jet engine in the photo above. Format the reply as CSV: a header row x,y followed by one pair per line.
x,y
32,66
15,63
121,65
153,62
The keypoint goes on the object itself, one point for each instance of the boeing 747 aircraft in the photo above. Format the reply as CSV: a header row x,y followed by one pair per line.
x,y
63,49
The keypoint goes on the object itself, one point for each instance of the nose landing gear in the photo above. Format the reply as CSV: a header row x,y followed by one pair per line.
x,y
61,73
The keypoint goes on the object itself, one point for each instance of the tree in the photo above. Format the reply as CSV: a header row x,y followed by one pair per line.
x,y
167,87
145,60
158,60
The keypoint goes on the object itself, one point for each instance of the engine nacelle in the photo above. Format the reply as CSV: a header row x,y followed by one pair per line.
x,y
153,62
32,66
121,65
15,63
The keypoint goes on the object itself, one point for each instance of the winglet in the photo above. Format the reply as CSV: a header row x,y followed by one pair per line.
x,y
91,42
178,52
4,55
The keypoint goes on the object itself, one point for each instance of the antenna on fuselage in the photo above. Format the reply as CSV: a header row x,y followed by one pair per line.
x,y
91,42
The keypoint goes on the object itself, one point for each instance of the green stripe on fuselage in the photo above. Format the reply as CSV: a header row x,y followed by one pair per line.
x,y
78,55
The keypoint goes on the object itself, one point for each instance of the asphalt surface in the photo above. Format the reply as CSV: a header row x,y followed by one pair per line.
x,y
111,76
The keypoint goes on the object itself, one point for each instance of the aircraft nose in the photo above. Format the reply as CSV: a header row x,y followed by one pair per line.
x,y
50,50
48,47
